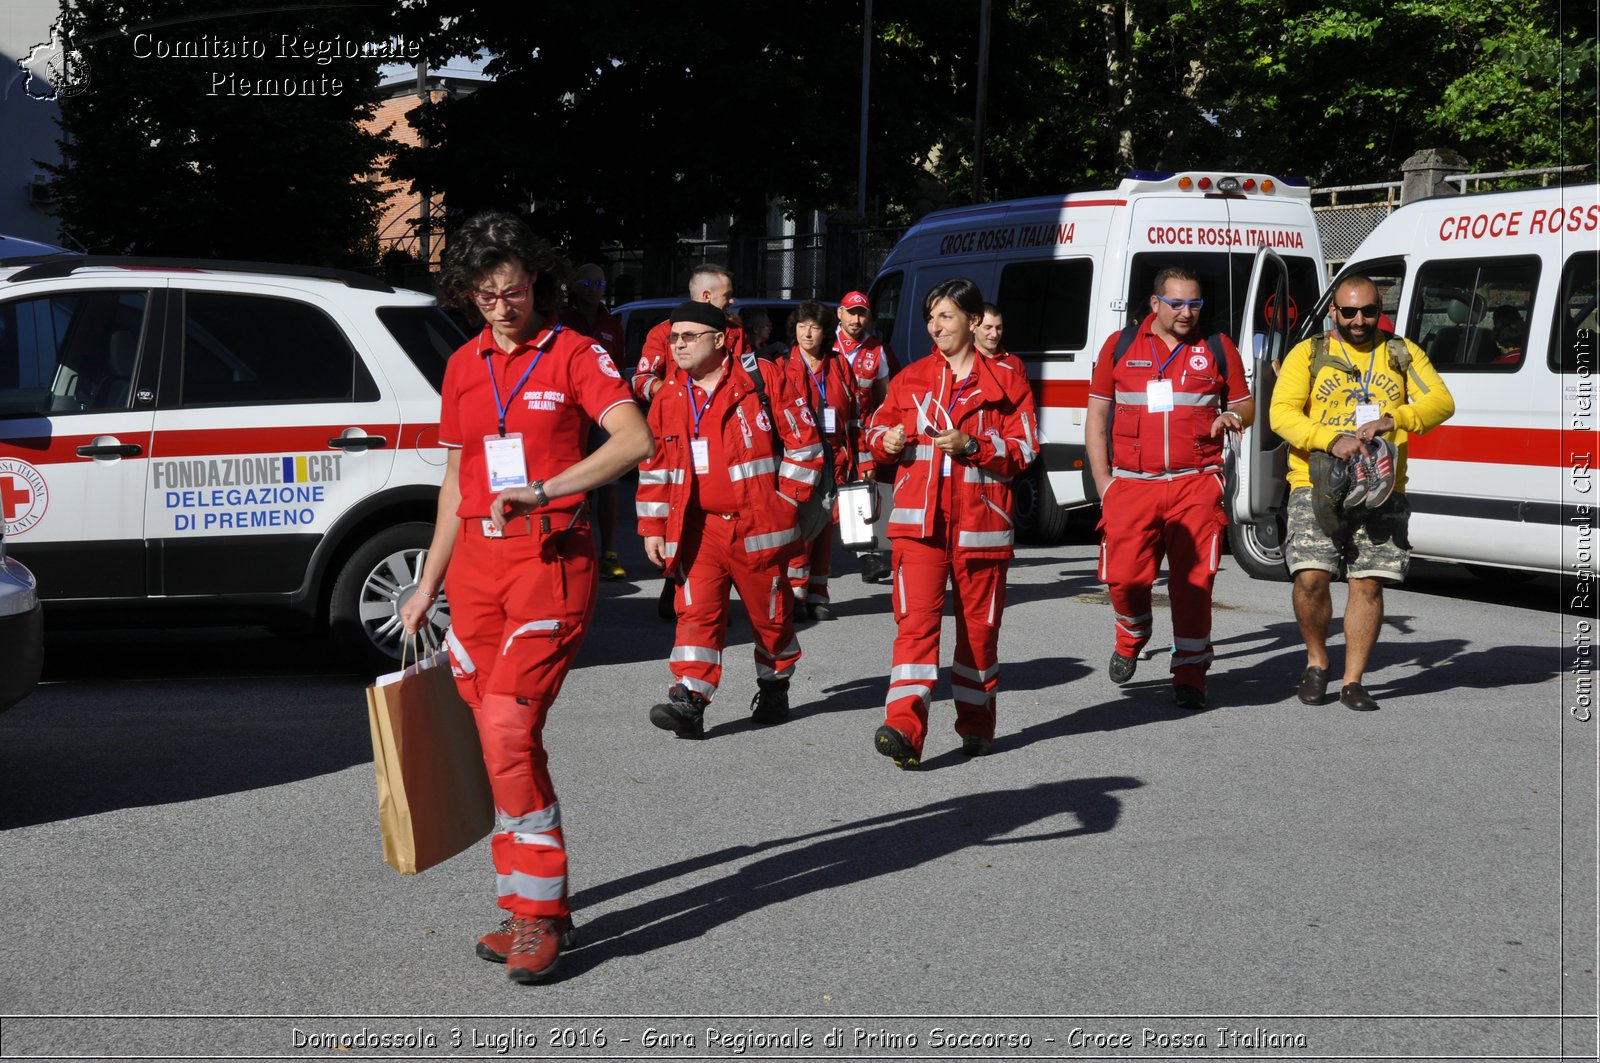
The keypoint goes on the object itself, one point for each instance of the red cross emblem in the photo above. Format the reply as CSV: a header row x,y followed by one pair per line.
x,y
23,495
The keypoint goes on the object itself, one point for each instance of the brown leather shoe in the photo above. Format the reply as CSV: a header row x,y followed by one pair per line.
x,y
1314,685
1355,696
496,944
535,950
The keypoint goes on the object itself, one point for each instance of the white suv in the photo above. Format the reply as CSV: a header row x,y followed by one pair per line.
x,y
221,440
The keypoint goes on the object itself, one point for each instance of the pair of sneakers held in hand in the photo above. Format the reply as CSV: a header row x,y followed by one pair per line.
x,y
1364,480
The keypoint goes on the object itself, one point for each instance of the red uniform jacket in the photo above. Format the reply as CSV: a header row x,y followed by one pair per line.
x,y
606,330
871,358
1158,446
656,364
995,410
835,378
771,484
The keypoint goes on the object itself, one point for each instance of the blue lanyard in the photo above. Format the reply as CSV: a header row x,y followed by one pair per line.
x,y
701,411
500,406
1170,357
822,385
1372,365
960,387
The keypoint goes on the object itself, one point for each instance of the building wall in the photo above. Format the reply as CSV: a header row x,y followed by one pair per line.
x,y
28,128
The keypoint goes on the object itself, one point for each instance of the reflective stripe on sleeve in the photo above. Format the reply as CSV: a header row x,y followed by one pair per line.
x,y
652,509
771,540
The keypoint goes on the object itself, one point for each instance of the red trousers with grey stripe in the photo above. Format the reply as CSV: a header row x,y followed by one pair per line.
x,y
808,572
922,570
519,609
712,558
1143,521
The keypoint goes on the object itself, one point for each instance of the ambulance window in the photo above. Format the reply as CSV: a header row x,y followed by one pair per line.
x,y
70,352
1046,306
1389,278
250,349
885,299
1472,315
1572,340
427,335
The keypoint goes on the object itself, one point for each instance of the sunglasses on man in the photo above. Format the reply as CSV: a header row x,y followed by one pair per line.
x,y
1349,312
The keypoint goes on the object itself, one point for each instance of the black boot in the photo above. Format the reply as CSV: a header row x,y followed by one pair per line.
x,y
683,713
771,703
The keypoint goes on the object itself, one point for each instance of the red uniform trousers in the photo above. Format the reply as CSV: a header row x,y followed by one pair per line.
x,y
808,572
519,609
922,568
712,558
1140,521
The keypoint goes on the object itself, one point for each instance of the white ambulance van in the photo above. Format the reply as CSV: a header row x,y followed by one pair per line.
x,y
1499,289
1068,271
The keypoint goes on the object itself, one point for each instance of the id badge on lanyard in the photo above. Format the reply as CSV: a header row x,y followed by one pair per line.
x,y
507,464
1367,411
700,452
830,421
1158,396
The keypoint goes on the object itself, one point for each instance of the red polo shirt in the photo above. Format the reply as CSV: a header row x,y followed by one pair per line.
x,y
571,386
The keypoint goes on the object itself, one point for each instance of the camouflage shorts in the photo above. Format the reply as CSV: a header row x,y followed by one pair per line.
x,y
1373,543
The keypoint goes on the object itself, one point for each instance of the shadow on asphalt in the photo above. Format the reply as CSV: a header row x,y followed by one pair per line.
x,y
77,751
829,859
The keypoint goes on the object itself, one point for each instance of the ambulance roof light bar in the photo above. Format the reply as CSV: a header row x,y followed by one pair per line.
x,y
66,265
1213,182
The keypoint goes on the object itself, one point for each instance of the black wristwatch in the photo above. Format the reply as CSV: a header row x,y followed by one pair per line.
x,y
971,448
539,497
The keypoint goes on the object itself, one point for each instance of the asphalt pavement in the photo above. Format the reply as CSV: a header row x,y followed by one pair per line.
x,y
190,863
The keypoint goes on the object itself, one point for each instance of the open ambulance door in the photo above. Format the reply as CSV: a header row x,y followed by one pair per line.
x,y
1259,464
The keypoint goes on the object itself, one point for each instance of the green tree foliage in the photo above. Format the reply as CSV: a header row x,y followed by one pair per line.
x,y
154,164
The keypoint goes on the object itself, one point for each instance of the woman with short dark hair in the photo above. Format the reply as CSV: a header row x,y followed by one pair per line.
x,y
958,431
512,532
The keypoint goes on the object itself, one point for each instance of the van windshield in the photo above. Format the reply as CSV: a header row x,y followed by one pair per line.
x,y
1224,281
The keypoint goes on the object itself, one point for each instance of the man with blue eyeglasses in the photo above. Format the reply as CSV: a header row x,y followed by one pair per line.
x,y
1162,395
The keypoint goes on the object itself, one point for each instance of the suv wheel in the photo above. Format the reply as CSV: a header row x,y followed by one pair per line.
x,y
377,580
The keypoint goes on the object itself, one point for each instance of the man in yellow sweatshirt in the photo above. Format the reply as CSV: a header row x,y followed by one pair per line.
x,y
1363,385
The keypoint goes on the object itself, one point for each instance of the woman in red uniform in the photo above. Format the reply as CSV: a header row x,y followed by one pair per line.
x,y
512,531
821,375
958,432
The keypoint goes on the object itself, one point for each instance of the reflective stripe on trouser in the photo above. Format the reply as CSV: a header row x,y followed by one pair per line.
x,y
808,573
921,573
712,560
519,610
1182,520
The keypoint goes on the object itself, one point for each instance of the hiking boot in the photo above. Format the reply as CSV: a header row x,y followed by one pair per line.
x,y
771,703
1121,668
611,566
976,746
1190,697
535,949
495,946
1384,459
873,568
1330,482
821,611
683,713
893,744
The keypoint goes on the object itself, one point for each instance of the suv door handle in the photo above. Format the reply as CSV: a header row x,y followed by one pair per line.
x,y
110,450
341,442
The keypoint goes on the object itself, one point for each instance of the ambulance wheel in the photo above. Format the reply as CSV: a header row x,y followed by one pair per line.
x,y
379,578
1259,550
1505,577
1040,518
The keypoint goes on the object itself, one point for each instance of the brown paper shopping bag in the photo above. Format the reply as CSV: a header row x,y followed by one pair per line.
x,y
433,791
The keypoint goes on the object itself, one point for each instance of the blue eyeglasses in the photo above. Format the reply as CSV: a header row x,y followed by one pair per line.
x,y
593,284
1179,304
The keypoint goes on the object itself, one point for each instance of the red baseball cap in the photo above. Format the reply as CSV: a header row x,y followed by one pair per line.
x,y
852,300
